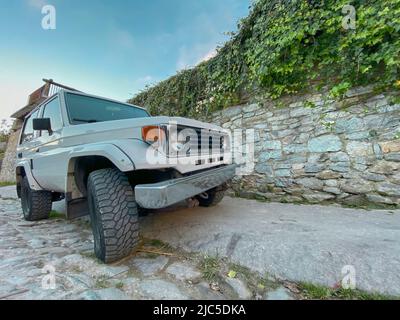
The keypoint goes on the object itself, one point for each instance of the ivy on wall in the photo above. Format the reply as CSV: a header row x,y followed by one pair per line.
x,y
285,47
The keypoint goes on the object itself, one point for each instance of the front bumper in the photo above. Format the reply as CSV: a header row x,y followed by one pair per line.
x,y
166,193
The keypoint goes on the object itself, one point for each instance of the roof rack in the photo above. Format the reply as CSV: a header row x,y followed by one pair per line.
x,y
38,96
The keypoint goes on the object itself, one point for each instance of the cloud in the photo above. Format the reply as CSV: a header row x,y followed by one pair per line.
x,y
121,37
191,56
124,39
13,96
145,80
209,55
206,29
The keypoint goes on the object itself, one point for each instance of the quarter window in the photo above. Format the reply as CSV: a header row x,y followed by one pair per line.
x,y
28,133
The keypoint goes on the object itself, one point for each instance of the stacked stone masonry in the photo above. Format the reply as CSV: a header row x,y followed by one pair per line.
x,y
7,172
318,150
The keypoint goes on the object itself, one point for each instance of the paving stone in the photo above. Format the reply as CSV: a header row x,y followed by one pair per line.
x,y
239,287
204,292
182,271
395,157
158,289
104,294
279,294
80,281
374,177
149,266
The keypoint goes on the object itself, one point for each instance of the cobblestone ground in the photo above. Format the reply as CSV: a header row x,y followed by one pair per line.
x,y
32,255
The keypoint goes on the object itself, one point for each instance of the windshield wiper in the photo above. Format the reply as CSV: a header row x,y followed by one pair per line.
x,y
85,120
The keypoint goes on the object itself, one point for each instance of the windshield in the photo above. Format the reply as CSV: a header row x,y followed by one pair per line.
x,y
84,109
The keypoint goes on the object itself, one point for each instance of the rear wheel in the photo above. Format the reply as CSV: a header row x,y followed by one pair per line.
x,y
211,197
36,205
113,214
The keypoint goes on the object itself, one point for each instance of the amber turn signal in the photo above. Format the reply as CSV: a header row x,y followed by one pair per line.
x,y
152,134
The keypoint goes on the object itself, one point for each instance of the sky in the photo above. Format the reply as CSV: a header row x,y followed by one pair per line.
x,y
104,47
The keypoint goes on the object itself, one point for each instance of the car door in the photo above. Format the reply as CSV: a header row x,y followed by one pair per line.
x,y
28,141
48,165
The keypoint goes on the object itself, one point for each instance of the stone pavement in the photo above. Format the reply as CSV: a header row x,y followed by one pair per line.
x,y
277,242
53,259
300,243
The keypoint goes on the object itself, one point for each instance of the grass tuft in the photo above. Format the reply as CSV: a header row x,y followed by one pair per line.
x,y
102,282
56,215
7,183
210,268
317,292
119,285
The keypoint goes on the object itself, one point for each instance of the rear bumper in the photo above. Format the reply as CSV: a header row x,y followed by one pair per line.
x,y
166,193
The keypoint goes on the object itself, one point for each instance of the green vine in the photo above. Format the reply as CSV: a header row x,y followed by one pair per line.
x,y
286,47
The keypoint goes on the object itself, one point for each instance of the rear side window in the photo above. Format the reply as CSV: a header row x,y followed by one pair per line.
x,y
28,133
52,111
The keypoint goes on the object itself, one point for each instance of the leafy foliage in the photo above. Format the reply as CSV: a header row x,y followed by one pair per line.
x,y
285,47
5,128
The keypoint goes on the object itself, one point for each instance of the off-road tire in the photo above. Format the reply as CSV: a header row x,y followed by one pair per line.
x,y
212,197
36,205
113,215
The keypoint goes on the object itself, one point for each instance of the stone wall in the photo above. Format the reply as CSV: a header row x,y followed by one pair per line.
x,y
7,173
316,150
3,147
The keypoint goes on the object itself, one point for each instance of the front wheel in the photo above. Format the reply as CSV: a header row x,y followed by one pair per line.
x,y
212,197
113,214
36,205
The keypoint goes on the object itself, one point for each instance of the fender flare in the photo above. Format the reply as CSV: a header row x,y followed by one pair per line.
x,y
28,172
107,150
76,202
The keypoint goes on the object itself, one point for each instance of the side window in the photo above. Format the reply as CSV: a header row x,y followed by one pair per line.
x,y
52,111
28,133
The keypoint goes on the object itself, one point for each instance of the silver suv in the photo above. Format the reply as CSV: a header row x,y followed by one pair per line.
x,y
112,160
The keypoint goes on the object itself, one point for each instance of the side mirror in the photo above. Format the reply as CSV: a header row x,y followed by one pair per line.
x,y
42,124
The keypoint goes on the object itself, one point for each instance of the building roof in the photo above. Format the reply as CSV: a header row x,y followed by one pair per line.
x,y
38,96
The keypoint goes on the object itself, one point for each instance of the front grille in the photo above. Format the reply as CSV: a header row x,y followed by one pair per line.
x,y
188,142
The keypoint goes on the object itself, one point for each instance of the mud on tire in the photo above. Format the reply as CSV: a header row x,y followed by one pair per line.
x,y
36,205
113,214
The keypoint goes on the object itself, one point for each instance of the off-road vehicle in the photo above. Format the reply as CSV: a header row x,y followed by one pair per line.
x,y
111,160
